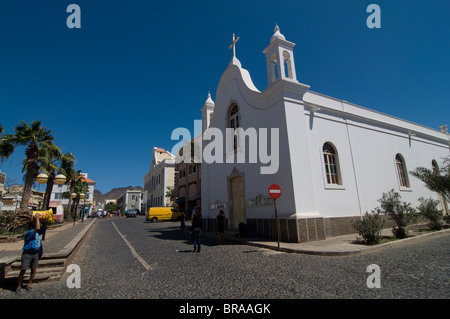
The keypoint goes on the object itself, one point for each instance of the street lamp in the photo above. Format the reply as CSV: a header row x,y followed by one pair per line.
x,y
82,196
73,196
42,178
59,179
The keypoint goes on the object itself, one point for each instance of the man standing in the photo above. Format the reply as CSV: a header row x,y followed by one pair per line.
x,y
32,250
197,226
220,225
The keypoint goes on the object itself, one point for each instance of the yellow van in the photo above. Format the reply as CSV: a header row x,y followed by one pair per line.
x,y
162,213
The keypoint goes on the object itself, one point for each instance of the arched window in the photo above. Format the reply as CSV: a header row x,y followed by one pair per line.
x,y
401,171
233,122
435,167
331,164
287,65
273,72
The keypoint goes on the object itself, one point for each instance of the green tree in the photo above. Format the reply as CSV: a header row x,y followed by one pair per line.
x,y
67,168
170,195
111,207
81,187
437,180
34,137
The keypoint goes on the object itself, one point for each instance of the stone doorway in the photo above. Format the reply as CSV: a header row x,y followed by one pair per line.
x,y
236,191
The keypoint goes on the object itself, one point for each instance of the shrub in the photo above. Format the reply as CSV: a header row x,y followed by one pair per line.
x,y
428,209
370,227
401,212
447,219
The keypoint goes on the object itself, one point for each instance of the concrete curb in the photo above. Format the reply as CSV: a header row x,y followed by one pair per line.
x,y
67,250
351,251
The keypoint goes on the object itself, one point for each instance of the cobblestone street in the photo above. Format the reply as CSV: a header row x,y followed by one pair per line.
x,y
111,270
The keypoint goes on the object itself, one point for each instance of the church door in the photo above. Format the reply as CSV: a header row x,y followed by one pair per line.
x,y
237,198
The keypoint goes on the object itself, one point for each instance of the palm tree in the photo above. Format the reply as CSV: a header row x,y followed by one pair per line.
x,y
35,138
80,187
67,168
435,179
51,163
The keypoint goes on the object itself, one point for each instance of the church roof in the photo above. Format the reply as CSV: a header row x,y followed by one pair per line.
x,y
209,100
277,34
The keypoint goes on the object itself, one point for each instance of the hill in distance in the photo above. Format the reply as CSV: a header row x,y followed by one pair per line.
x,y
115,193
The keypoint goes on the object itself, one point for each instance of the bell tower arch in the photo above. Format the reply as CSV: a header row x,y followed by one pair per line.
x,y
280,58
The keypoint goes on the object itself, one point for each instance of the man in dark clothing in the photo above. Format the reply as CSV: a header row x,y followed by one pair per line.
x,y
32,249
220,225
197,230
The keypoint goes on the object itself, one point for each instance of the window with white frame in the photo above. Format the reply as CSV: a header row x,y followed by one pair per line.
x,y
401,171
331,164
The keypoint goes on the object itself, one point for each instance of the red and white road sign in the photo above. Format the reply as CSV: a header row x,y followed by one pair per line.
x,y
275,191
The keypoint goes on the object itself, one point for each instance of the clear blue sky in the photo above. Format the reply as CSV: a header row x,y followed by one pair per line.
x,y
136,70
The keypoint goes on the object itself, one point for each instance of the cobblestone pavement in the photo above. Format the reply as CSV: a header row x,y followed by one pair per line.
x,y
110,269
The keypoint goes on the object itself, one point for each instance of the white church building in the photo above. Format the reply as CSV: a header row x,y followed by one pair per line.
x,y
331,158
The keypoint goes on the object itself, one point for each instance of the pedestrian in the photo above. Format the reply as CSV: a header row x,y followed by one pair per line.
x,y
197,230
183,221
220,225
31,253
44,230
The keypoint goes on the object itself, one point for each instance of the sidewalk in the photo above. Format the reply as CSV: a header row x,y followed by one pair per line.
x,y
56,238
345,245
60,244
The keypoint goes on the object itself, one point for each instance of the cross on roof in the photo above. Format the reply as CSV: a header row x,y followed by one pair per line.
x,y
233,45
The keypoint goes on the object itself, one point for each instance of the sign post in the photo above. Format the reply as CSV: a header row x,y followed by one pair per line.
x,y
275,192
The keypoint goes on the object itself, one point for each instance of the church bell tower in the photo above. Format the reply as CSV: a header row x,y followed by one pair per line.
x,y
280,58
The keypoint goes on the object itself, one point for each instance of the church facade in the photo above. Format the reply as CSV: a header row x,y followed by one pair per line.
x,y
331,158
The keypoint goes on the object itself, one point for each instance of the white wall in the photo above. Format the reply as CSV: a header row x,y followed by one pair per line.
x,y
366,141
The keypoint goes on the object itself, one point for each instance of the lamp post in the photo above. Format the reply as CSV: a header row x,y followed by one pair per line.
x,y
73,196
58,179
82,196
41,179
77,196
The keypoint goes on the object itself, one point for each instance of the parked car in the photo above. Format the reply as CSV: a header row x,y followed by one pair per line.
x,y
94,215
163,213
131,213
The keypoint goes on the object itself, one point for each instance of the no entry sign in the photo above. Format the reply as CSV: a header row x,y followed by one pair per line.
x,y
275,191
